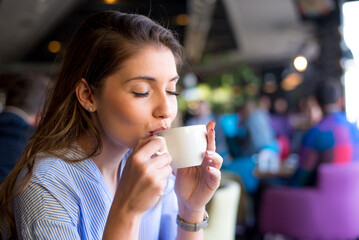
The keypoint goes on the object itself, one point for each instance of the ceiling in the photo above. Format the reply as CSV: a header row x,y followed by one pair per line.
x,y
259,32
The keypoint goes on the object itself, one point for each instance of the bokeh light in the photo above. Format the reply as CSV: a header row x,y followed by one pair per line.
x,y
54,46
300,63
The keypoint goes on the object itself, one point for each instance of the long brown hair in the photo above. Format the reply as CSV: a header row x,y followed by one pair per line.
x,y
100,46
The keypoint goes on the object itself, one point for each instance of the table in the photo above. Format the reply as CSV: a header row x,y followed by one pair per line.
x,y
283,172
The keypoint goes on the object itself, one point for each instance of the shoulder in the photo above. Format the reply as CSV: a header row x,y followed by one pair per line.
x,y
311,135
55,172
50,194
45,165
50,172
12,118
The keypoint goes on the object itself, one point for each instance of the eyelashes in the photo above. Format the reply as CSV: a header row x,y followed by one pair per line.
x,y
172,93
145,94
137,94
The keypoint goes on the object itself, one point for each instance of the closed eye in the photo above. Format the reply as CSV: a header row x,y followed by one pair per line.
x,y
137,94
172,93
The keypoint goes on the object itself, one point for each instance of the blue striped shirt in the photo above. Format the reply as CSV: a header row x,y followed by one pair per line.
x,y
71,201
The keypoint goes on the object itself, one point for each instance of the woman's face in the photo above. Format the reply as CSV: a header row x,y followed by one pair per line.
x,y
139,99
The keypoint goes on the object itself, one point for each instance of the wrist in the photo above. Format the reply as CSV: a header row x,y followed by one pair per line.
x,y
193,227
122,216
122,225
191,215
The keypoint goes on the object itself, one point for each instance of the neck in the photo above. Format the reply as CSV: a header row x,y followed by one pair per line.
x,y
108,162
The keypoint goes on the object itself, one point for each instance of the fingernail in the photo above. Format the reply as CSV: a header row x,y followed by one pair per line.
x,y
214,123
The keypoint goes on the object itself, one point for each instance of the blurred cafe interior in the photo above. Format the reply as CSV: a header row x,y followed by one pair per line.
x,y
241,57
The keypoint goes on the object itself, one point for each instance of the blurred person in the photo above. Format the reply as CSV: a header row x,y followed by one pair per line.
x,y
312,111
280,105
332,140
91,170
255,136
281,125
280,119
24,98
255,125
309,114
264,102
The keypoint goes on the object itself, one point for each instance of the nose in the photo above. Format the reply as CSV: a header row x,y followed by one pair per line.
x,y
162,106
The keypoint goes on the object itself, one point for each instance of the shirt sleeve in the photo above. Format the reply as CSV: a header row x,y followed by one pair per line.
x,y
48,229
40,213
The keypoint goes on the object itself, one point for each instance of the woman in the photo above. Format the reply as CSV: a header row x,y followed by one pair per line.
x,y
90,170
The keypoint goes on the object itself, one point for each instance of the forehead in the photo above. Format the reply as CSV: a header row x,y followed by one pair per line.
x,y
150,60
148,63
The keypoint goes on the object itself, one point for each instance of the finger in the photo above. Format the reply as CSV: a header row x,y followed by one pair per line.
x,y
164,172
158,184
146,148
214,177
162,160
141,143
158,177
213,159
211,144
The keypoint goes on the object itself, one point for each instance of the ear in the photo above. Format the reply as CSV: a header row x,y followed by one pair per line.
x,y
85,96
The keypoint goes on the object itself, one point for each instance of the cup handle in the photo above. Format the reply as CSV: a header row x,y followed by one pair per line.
x,y
159,153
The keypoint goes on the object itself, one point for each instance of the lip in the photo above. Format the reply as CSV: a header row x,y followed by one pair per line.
x,y
152,132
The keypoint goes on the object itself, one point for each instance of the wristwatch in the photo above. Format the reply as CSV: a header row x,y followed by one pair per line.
x,y
193,227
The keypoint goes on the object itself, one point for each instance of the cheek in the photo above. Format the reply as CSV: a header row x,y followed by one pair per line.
x,y
174,107
114,111
121,124
127,112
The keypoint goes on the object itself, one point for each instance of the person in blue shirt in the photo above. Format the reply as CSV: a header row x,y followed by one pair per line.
x,y
256,132
24,98
91,169
332,140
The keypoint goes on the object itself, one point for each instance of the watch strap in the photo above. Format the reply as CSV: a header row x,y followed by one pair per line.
x,y
193,227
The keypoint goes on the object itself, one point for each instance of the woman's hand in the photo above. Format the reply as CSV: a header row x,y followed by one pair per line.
x,y
142,183
196,185
144,177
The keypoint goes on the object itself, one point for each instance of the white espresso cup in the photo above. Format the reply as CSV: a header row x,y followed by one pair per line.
x,y
186,145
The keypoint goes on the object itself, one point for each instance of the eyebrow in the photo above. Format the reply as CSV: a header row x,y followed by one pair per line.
x,y
149,78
